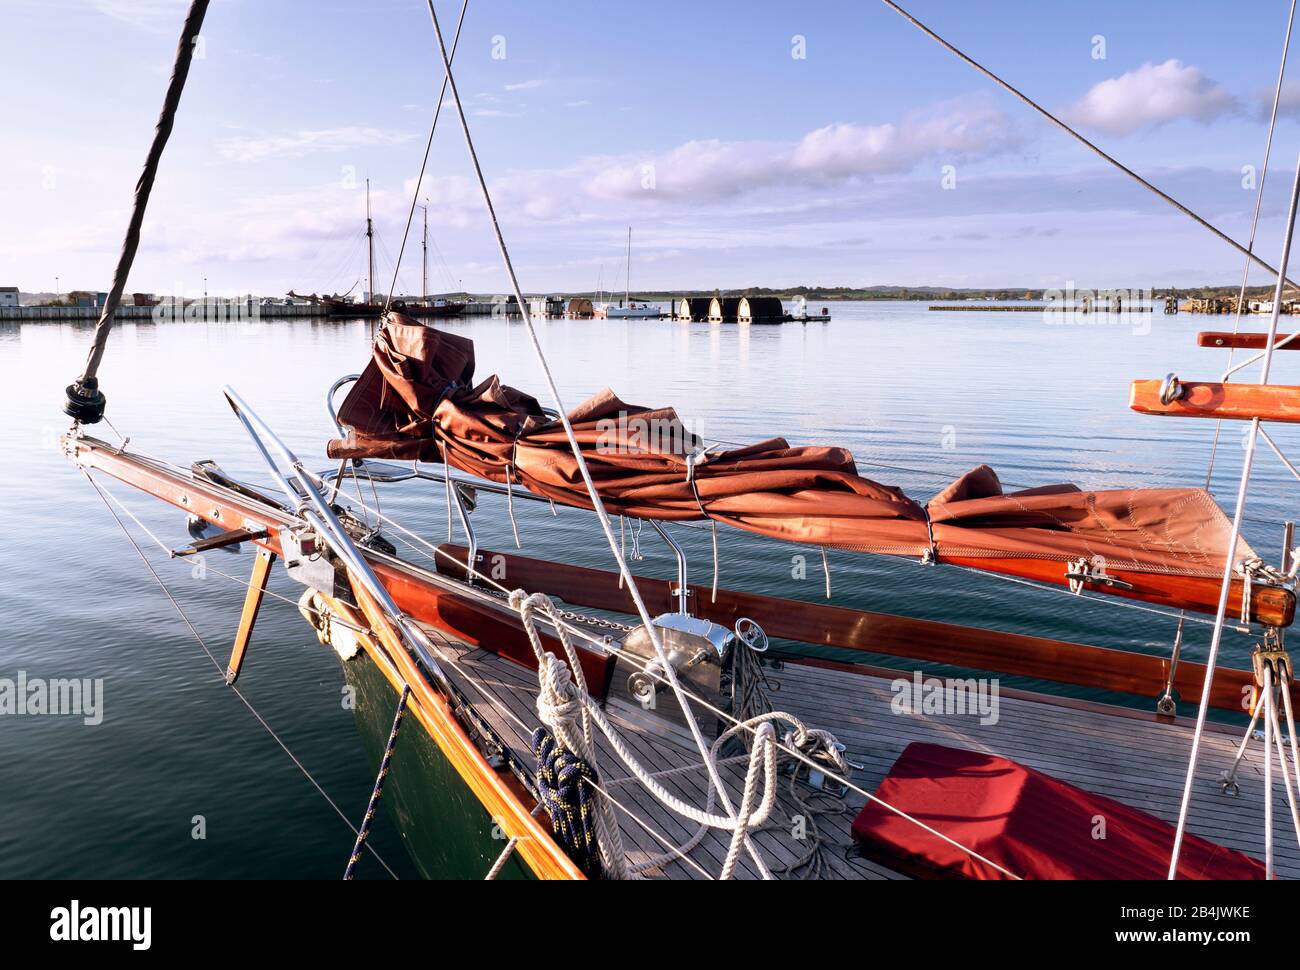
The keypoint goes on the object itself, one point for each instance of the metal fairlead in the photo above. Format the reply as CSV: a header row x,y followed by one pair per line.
x,y
1170,389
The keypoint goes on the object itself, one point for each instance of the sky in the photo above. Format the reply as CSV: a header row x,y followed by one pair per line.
x,y
760,143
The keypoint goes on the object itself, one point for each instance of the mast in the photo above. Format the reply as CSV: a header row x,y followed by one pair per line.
x,y
370,240
424,276
627,289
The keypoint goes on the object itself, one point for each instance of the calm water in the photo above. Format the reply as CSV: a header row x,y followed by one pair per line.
x,y
930,393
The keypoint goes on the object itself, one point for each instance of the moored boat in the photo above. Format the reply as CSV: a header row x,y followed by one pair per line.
x,y
582,722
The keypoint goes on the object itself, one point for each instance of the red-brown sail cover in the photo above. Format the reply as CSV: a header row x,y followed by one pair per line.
x,y
417,398
1031,824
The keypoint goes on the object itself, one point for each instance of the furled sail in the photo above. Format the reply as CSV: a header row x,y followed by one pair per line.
x,y
417,400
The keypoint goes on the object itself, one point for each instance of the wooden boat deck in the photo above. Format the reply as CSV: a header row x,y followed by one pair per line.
x,y
1138,761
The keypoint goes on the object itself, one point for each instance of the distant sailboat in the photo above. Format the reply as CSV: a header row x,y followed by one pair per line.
x,y
427,307
627,307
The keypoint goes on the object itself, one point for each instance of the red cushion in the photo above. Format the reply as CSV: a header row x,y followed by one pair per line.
x,y
1027,822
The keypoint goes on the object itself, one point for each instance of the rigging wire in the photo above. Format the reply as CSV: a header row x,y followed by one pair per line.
x,y
597,503
424,164
343,266
1233,538
1011,89
686,695
85,403
104,497
1254,225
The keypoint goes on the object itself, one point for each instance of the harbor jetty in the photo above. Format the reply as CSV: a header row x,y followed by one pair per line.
x,y
742,309
1218,305
1085,307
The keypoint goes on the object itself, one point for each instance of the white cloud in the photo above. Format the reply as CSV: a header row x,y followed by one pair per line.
x,y
713,169
953,129
1150,96
306,142
1288,104
525,85
576,104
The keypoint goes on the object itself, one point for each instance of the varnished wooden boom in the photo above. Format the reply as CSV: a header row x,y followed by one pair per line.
x,y
1244,341
1233,402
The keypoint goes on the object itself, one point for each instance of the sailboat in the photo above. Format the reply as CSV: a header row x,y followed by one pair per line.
x,y
428,306
345,306
627,307
578,722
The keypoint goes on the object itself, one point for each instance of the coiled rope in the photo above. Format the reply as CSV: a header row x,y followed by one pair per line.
x,y
565,784
568,711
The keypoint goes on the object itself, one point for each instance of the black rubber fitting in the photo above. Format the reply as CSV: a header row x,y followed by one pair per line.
x,y
85,403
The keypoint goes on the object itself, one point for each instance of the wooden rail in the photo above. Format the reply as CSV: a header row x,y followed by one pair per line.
x,y
885,634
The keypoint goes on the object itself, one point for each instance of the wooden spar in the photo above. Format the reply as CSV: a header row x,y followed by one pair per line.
x,y
498,798
888,635
1269,605
415,590
220,505
1244,341
1236,402
262,564
419,595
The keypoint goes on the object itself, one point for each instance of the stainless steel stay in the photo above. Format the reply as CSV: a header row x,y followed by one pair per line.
x,y
316,512
383,472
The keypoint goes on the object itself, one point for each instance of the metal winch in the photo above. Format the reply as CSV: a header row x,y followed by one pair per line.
x,y
697,649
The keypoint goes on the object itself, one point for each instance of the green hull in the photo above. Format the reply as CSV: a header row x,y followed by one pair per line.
x,y
446,830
